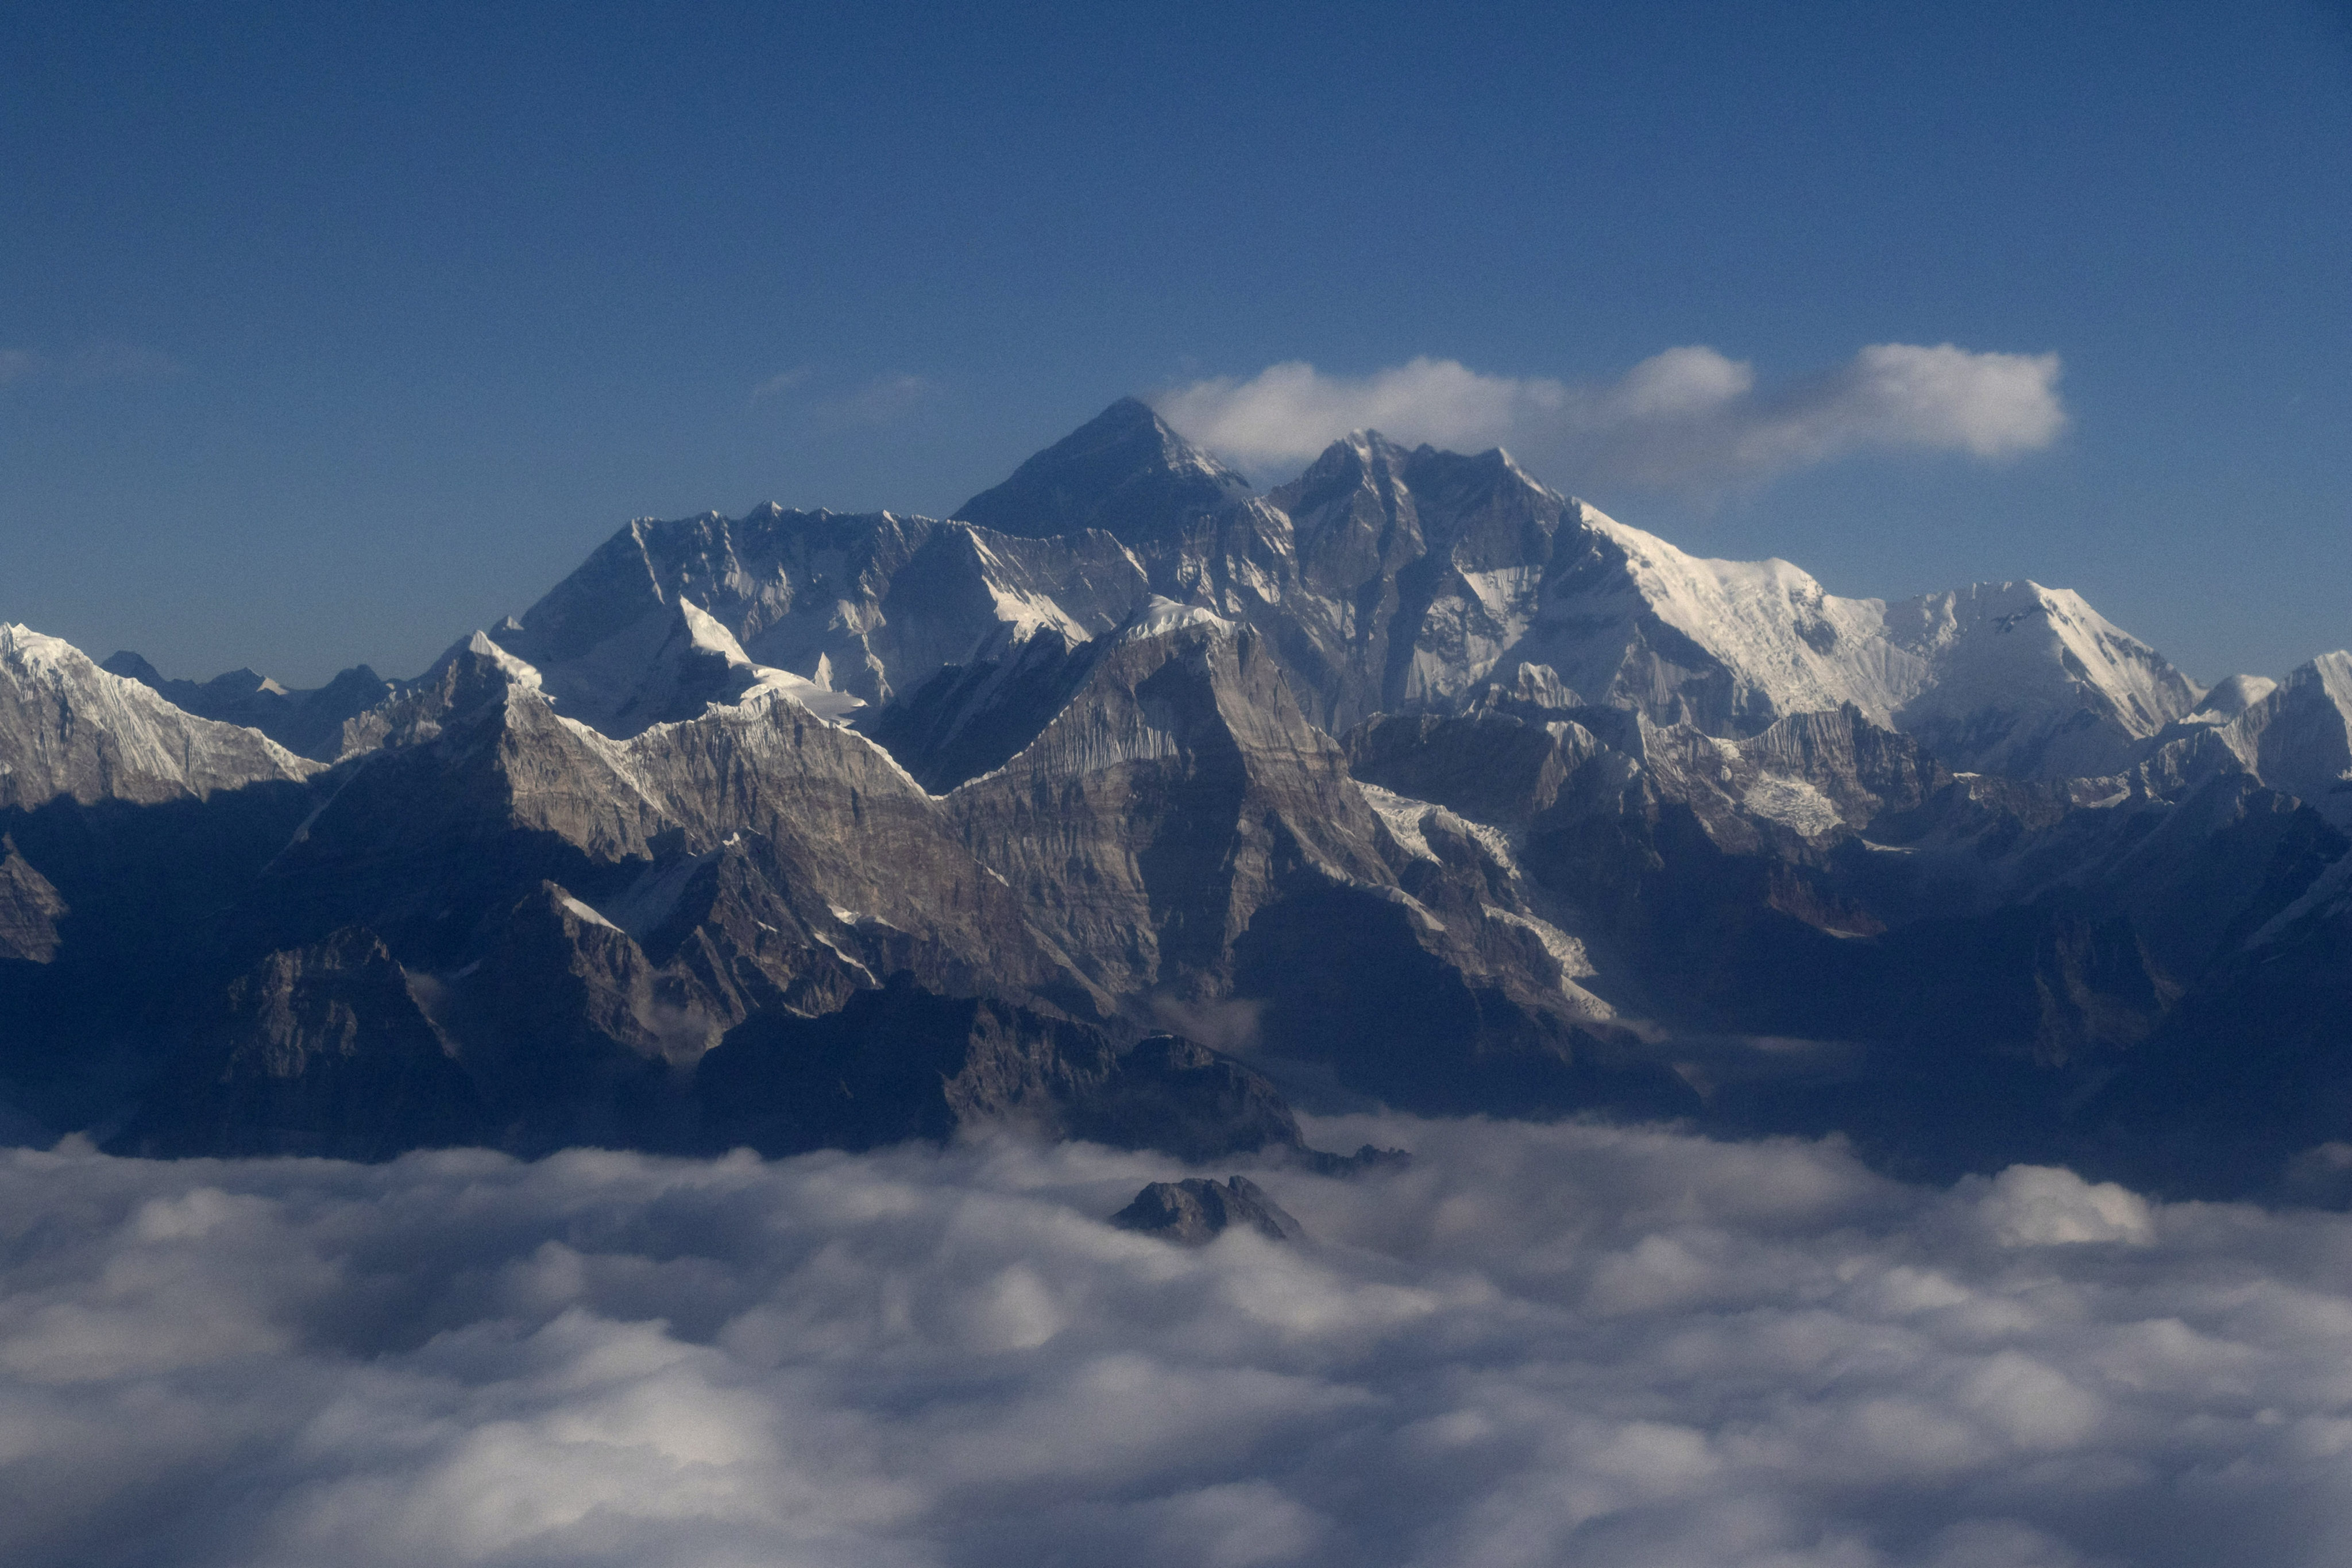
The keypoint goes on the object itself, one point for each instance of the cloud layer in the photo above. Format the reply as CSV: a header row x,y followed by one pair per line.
x,y
1538,1345
1687,418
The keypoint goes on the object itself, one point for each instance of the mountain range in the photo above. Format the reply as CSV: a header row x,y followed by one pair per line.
x,y
1132,804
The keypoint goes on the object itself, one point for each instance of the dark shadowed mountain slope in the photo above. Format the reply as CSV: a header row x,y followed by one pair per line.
x,y
322,1051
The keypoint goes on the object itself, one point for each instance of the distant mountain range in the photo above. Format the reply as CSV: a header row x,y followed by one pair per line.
x,y
1130,804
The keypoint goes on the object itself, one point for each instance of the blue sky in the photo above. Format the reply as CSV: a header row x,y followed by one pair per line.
x,y
329,332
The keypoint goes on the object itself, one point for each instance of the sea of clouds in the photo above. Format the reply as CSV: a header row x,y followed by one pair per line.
x,y
1539,1344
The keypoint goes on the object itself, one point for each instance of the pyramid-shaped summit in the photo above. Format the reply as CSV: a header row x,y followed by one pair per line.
x,y
1124,471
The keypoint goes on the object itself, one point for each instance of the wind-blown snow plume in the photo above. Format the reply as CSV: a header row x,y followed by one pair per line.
x,y
1539,1344
1689,417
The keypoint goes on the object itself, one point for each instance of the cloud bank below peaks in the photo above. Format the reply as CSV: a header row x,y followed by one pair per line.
x,y
1689,419
1619,1348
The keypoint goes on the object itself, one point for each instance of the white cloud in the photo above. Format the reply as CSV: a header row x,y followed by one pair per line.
x,y
1539,1344
1287,412
1689,417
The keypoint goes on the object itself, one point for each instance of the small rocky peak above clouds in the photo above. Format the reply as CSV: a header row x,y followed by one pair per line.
x,y
1195,1212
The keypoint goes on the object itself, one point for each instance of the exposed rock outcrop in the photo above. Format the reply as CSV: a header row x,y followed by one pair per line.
x,y
30,908
1195,1212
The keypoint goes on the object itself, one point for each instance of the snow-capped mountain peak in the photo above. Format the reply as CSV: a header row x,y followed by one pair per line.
x,y
1781,643
2230,697
1124,471
2017,677
1162,616
69,728
2297,734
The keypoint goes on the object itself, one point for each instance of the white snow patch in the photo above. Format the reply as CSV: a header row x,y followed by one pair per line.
x,y
587,913
1567,952
1402,815
1791,802
1162,616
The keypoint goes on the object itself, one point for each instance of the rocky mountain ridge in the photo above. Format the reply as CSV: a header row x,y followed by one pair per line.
x,y
1412,779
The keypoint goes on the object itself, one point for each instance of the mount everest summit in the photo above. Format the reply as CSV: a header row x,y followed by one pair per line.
x,y
1128,804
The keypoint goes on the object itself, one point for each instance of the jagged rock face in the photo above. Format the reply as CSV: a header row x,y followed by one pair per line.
x,y
1802,783
1808,778
322,1050
574,1036
1490,767
30,908
1418,571
2297,736
1163,805
972,718
1195,1212
70,730
440,836
1181,832
2293,734
668,668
